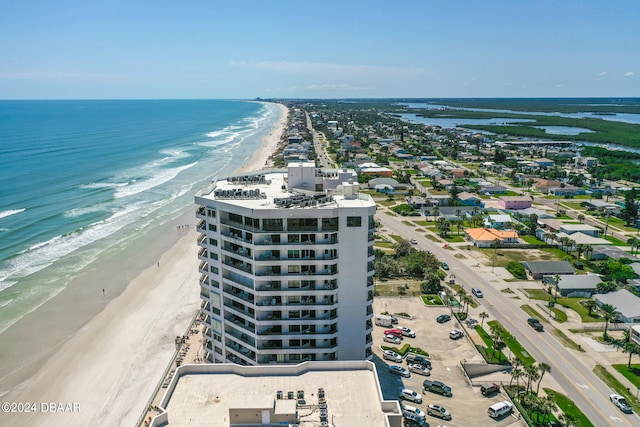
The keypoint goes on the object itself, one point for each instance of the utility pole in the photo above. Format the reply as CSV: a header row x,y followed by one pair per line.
x,y
606,224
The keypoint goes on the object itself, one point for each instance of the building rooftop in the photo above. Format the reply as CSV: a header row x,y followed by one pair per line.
x,y
199,394
624,301
582,281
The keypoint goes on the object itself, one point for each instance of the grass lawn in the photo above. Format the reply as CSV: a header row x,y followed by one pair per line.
x,y
431,299
406,349
632,373
516,348
489,354
620,389
387,245
616,242
572,303
387,202
567,406
561,316
533,313
566,341
454,239
621,224
433,238
405,222
532,240
397,238
425,223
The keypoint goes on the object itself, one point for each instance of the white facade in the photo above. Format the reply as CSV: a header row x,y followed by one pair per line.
x,y
286,273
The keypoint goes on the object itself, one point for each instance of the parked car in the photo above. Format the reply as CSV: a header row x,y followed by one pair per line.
x,y
477,292
456,334
392,339
397,332
399,370
535,324
411,395
621,403
391,355
444,265
416,358
443,318
500,409
419,369
437,387
407,332
489,389
438,411
413,413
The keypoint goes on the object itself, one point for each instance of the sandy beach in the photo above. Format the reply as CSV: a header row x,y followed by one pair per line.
x,y
104,372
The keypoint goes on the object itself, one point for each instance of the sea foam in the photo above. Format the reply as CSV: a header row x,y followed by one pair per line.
x,y
5,214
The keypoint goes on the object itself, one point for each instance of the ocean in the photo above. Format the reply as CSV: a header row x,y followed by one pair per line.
x,y
83,179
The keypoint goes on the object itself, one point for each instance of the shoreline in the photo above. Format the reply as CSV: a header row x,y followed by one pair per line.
x,y
120,342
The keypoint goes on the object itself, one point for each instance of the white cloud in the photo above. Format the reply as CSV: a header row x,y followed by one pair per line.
x,y
628,74
602,73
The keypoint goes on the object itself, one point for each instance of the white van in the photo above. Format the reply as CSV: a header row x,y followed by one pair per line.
x,y
499,409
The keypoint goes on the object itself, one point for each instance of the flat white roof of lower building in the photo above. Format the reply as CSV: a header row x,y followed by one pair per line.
x,y
201,395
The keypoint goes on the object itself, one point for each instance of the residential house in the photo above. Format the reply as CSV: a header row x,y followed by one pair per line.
x,y
469,199
580,228
626,303
583,285
483,237
498,221
567,191
539,269
544,185
514,202
544,163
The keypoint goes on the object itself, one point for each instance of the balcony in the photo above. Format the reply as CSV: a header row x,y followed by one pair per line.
x,y
237,250
203,268
202,240
239,265
201,212
239,293
203,254
239,308
202,226
237,237
238,321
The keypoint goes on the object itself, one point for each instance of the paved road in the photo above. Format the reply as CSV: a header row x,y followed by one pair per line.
x,y
577,380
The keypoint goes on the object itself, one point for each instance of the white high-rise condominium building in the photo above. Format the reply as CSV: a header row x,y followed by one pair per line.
x,y
286,263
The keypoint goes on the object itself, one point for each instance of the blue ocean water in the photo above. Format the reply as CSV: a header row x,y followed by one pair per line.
x,y
78,177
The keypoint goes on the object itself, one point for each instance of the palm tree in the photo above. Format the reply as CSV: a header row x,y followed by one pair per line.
x,y
499,346
588,250
544,368
580,249
631,348
581,218
609,313
590,304
532,373
568,419
462,294
483,316
634,243
516,374
467,299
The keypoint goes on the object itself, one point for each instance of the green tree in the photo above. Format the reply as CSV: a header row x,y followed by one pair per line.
x,y
631,348
403,248
630,212
590,304
609,313
544,368
483,316
431,284
443,227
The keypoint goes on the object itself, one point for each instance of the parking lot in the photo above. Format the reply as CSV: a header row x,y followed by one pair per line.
x,y
467,405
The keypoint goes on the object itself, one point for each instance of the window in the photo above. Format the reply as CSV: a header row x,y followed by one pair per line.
x,y
272,224
302,224
215,270
213,255
354,221
329,224
213,242
294,254
294,328
294,284
211,213
294,314
213,227
293,269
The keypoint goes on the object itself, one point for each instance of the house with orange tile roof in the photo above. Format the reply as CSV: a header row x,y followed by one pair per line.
x,y
484,237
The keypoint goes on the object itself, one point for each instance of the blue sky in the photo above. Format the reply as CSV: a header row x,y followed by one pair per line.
x,y
84,49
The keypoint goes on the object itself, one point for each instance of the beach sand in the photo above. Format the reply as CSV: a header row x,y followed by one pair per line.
x,y
106,366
